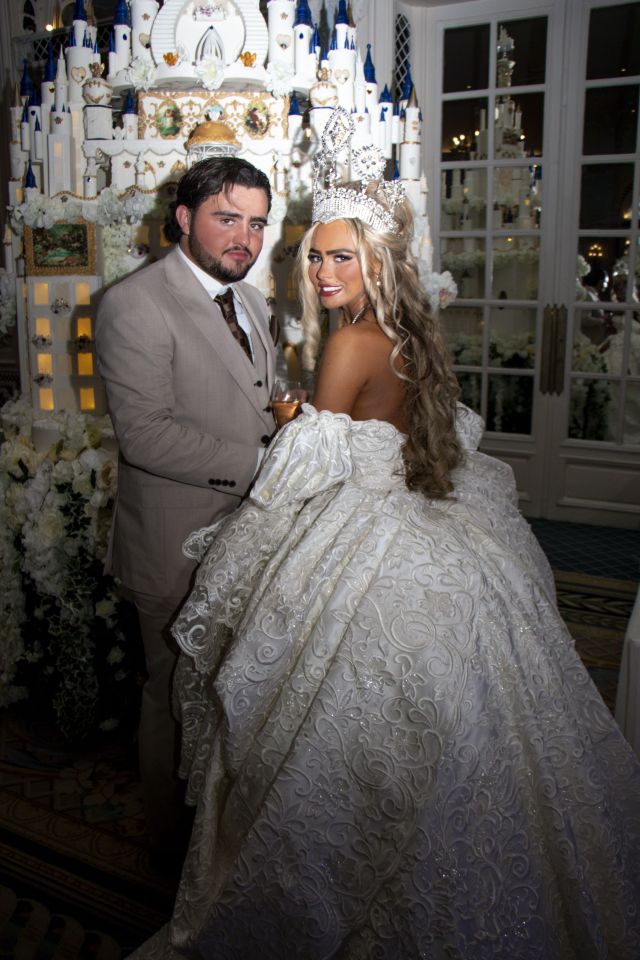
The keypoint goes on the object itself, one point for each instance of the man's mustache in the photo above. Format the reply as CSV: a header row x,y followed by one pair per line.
x,y
238,249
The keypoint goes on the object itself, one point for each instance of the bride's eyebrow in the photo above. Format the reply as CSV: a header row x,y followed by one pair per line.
x,y
339,250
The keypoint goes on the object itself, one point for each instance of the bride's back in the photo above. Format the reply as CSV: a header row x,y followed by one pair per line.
x,y
356,377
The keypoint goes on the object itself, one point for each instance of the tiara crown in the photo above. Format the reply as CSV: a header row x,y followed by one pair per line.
x,y
376,200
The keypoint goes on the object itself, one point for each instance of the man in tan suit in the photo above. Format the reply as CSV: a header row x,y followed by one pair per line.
x,y
188,393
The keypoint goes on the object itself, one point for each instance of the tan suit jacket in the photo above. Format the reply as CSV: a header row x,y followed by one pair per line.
x,y
190,412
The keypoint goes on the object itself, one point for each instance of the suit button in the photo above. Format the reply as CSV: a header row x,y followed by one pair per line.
x,y
265,439
211,483
224,483
258,383
232,483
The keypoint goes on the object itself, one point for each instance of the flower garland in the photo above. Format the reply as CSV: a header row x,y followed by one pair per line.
x,y
67,633
8,309
109,208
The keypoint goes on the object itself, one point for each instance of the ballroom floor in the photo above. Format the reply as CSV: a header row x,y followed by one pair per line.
x,y
598,551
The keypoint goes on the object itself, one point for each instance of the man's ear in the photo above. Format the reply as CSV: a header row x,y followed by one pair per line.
x,y
183,216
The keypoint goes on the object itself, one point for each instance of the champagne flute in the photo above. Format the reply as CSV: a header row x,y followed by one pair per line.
x,y
287,399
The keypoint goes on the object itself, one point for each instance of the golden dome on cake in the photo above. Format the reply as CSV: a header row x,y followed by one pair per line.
x,y
212,131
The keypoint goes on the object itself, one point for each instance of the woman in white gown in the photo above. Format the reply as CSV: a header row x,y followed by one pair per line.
x,y
393,748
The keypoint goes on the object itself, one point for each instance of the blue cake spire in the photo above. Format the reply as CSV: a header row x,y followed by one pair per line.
x,y
129,103
79,12
50,65
294,106
341,14
30,179
396,171
385,96
26,83
369,69
334,40
121,15
303,15
315,39
407,84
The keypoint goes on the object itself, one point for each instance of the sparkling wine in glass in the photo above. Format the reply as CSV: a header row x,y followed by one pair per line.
x,y
288,397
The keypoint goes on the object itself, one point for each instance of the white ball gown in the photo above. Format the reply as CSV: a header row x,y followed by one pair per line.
x,y
394,749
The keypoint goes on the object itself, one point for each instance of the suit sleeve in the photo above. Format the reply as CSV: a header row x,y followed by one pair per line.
x,y
135,350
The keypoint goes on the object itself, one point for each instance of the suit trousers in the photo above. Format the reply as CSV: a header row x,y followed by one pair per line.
x,y
159,731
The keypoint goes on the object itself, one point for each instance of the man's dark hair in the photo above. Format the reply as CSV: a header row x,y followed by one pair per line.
x,y
206,179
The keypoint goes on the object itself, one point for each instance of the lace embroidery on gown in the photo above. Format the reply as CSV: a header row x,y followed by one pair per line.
x,y
393,747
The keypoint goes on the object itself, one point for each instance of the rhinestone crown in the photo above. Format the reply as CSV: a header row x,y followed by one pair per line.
x,y
333,202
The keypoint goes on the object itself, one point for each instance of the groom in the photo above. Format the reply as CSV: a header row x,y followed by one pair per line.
x,y
188,375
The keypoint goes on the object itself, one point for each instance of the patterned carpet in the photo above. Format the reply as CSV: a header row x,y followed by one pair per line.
x,y
76,882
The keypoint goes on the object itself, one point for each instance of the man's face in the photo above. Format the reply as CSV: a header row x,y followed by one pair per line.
x,y
224,236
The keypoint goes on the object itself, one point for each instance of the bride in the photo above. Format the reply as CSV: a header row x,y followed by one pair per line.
x,y
393,748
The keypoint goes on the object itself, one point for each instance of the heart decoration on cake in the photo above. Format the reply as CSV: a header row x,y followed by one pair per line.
x,y
341,76
145,39
78,74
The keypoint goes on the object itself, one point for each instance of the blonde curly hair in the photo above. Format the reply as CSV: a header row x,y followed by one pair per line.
x,y
401,307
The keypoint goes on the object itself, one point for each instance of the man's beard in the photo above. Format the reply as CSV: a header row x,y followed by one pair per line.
x,y
214,267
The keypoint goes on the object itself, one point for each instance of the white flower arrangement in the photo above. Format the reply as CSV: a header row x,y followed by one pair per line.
x,y
279,80
40,211
116,239
141,73
210,72
107,209
441,289
278,210
7,301
582,268
57,609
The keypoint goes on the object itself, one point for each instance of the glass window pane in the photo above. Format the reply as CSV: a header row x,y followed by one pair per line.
x,y
466,58
517,198
587,356
464,204
462,329
529,51
614,41
589,410
512,335
605,197
515,268
460,121
597,325
509,403
631,426
619,357
601,263
610,120
518,126
471,390
465,258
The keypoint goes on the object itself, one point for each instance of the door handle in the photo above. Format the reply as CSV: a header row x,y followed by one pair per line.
x,y
553,349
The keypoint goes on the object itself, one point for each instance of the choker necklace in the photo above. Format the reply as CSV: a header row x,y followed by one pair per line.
x,y
360,313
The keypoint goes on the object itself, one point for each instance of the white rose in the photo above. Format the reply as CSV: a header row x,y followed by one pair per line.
x,y
51,527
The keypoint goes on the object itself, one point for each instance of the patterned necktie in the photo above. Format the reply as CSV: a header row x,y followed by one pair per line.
x,y
225,302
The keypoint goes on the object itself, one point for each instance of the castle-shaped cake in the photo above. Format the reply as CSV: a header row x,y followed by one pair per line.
x,y
94,157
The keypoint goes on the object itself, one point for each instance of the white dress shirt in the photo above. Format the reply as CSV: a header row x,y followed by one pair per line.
x,y
213,288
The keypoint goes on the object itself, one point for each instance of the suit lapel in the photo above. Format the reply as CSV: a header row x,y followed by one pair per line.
x,y
199,309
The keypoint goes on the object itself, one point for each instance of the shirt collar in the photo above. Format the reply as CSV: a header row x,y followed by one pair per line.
x,y
210,284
